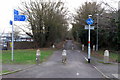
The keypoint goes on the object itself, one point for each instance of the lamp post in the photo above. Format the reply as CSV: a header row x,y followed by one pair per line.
x,y
97,33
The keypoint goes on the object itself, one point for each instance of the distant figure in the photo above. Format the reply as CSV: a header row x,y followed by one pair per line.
x,y
72,46
64,56
38,56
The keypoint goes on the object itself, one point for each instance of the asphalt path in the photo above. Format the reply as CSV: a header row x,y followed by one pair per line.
x,y
76,67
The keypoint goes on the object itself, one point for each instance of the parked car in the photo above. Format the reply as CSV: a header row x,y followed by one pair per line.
x,y
4,47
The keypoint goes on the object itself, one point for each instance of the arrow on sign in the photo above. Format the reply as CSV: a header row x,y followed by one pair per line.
x,y
20,17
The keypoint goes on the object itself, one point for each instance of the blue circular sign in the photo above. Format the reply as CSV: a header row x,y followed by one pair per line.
x,y
89,21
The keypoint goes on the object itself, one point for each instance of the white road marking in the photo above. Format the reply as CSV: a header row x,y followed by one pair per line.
x,y
85,58
100,72
116,75
96,68
77,73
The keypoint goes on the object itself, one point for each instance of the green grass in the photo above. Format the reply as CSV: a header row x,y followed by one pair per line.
x,y
5,71
24,56
103,62
112,55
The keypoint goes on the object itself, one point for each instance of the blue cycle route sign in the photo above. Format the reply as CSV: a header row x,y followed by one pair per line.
x,y
89,21
20,18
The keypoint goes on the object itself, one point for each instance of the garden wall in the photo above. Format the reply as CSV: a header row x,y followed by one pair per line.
x,y
22,45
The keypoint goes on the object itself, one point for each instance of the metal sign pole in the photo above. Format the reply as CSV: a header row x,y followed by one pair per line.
x,y
12,23
89,21
12,56
89,44
16,17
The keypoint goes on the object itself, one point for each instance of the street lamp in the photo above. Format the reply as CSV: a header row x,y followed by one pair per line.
x,y
97,33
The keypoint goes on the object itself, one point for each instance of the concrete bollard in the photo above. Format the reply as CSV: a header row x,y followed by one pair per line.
x,y
64,56
93,47
82,47
38,56
106,56
53,46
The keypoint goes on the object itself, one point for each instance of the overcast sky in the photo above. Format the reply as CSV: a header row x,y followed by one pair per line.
x,y
7,6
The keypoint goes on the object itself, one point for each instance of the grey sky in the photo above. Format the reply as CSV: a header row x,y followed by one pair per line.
x,y
7,6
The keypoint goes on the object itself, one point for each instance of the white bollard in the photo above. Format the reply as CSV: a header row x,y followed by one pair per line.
x,y
106,56
64,56
82,47
93,47
38,56
53,46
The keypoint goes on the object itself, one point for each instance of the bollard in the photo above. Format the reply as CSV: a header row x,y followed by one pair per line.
x,y
72,46
38,56
64,56
93,47
53,46
82,47
106,56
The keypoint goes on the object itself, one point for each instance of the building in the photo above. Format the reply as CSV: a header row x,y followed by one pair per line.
x,y
7,38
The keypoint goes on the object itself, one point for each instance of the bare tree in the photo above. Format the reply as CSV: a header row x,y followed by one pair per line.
x,y
47,21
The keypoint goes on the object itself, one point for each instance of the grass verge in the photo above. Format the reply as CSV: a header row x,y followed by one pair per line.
x,y
5,71
112,55
25,56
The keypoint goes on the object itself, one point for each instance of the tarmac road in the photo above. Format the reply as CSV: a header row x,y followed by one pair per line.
x,y
76,67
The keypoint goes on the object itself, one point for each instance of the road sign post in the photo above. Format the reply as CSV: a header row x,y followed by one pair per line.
x,y
89,44
16,17
89,21
12,42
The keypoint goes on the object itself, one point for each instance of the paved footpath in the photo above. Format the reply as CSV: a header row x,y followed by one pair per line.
x,y
108,70
76,67
12,67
